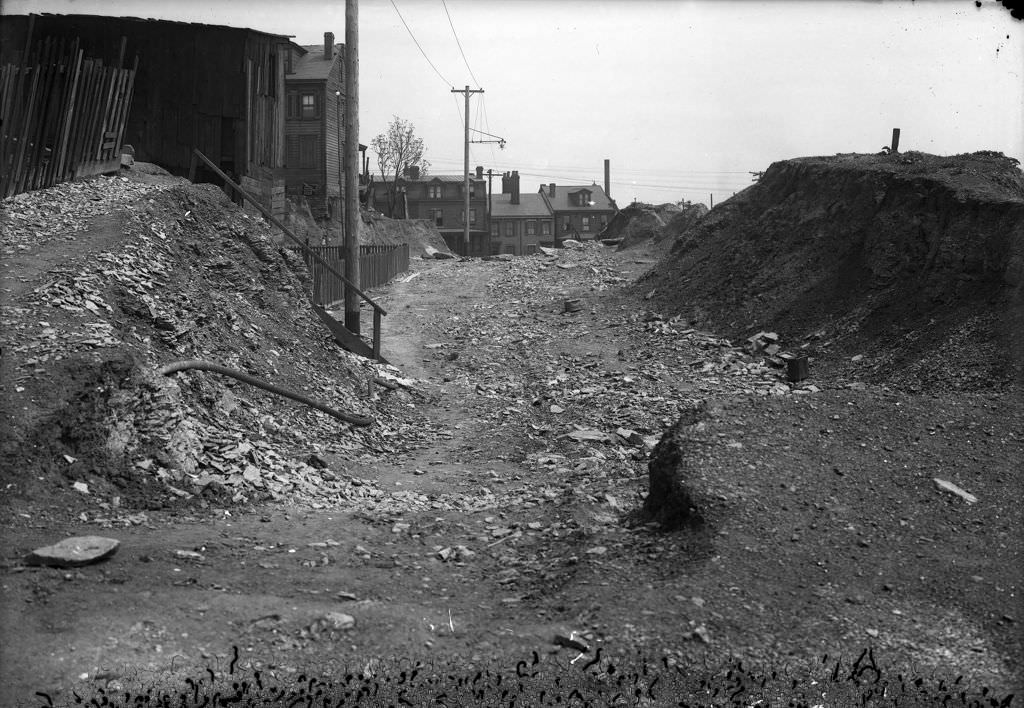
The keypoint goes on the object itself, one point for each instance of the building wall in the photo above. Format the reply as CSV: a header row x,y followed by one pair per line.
x,y
598,219
217,89
510,235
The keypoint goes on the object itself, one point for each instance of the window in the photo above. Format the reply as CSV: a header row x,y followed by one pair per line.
x,y
545,228
586,223
510,228
308,152
472,216
301,151
308,106
494,228
438,216
302,105
566,223
434,191
531,228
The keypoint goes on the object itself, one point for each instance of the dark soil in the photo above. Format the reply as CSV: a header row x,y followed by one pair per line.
x,y
913,261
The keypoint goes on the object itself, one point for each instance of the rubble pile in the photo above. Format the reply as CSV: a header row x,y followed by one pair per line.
x,y
897,268
168,272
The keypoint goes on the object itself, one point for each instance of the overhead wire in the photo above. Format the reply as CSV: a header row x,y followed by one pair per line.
x,y
456,34
409,30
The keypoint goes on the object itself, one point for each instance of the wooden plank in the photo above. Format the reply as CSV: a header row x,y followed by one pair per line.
x,y
35,118
70,116
126,108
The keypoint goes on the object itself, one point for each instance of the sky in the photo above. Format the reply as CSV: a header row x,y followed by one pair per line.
x,y
685,98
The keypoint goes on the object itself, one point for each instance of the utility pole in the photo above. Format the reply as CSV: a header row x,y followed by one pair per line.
x,y
351,210
465,215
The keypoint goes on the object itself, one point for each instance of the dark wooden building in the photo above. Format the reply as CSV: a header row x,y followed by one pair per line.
x,y
314,129
219,89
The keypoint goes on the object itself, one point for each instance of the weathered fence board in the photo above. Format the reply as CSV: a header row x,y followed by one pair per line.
x,y
63,116
377,265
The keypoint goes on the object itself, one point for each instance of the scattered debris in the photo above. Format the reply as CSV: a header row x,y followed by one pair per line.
x,y
74,552
945,486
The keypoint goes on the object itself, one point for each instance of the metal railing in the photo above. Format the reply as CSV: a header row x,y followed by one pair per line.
x,y
307,251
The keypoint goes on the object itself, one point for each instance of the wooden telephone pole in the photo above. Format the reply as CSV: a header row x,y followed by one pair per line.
x,y
465,174
352,164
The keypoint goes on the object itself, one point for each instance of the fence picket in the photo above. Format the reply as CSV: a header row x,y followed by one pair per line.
x,y
63,116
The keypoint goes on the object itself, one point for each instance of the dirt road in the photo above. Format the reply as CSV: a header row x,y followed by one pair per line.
x,y
824,533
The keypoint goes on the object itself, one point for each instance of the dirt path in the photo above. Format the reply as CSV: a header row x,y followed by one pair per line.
x,y
824,531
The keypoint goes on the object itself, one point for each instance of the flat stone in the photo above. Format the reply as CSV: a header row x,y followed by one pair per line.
x,y
74,552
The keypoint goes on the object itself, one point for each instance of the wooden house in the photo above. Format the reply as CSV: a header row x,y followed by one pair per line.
x,y
579,212
314,128
218,89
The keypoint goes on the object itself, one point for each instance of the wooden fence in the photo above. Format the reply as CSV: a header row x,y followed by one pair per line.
x,y
377,265
63,116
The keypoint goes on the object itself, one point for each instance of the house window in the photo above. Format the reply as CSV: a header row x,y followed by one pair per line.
x,y
438,216
472,216
510,228
531,228
308,106
545,228
308,150
301,151
586,223
494,228
566,223
434,191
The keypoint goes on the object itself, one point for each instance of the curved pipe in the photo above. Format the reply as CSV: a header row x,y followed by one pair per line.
x,y
177,366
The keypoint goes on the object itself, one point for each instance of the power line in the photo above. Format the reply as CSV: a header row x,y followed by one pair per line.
x,y
446,82
458,42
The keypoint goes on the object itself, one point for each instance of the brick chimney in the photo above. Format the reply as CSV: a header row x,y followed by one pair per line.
x,y
514,179
506,183
479,172
551,189
328,45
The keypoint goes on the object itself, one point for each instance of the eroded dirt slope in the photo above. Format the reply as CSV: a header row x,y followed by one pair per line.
x,y
914,261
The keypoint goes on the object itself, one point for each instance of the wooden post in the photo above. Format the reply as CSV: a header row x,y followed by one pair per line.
x,y
895,148
376,334
352,164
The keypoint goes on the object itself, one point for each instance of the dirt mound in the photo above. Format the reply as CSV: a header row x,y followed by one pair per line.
x,y
642,223
905,268
117,278
378,229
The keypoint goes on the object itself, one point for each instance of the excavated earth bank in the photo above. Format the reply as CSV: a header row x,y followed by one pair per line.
x,y
913,261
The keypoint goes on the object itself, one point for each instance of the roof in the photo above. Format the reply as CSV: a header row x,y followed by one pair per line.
x,y
280,37
530,205
441,178
560,202
312,64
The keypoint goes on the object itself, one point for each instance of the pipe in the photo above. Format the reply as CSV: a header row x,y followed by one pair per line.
x,y
184,365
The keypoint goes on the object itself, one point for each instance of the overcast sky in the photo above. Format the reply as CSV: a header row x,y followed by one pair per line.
x,y
684,98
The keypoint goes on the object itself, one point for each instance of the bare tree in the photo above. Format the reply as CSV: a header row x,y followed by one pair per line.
x,y
397,149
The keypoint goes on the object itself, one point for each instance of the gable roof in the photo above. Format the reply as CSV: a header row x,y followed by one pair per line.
x,y
560,202
529,206
311,65
440,178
